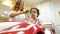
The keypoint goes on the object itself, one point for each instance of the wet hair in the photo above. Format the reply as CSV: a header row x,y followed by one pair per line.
x,y
27,11
37,11
16,7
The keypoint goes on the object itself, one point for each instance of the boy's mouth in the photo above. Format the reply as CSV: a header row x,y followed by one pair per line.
x,y
33,16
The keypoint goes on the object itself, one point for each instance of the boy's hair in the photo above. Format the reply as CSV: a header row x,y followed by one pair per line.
x,y
37,11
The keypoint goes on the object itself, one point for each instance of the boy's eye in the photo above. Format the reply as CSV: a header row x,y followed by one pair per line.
x,y
30,12
34,12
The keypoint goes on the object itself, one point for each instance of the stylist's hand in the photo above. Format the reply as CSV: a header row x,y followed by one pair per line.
x,y
20,12
23,12
26,11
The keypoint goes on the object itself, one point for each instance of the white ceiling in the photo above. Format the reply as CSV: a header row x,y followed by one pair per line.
x,y
27,3
33,1
30,2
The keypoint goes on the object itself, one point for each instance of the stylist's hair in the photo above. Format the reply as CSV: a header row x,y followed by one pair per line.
x,y
37,11
16,7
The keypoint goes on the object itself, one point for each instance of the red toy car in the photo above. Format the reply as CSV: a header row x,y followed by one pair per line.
x,y
24,26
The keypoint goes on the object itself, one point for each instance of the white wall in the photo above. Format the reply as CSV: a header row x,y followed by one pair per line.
x,y
57,9
57,17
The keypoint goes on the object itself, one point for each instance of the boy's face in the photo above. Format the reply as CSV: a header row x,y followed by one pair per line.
x,y
33,13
